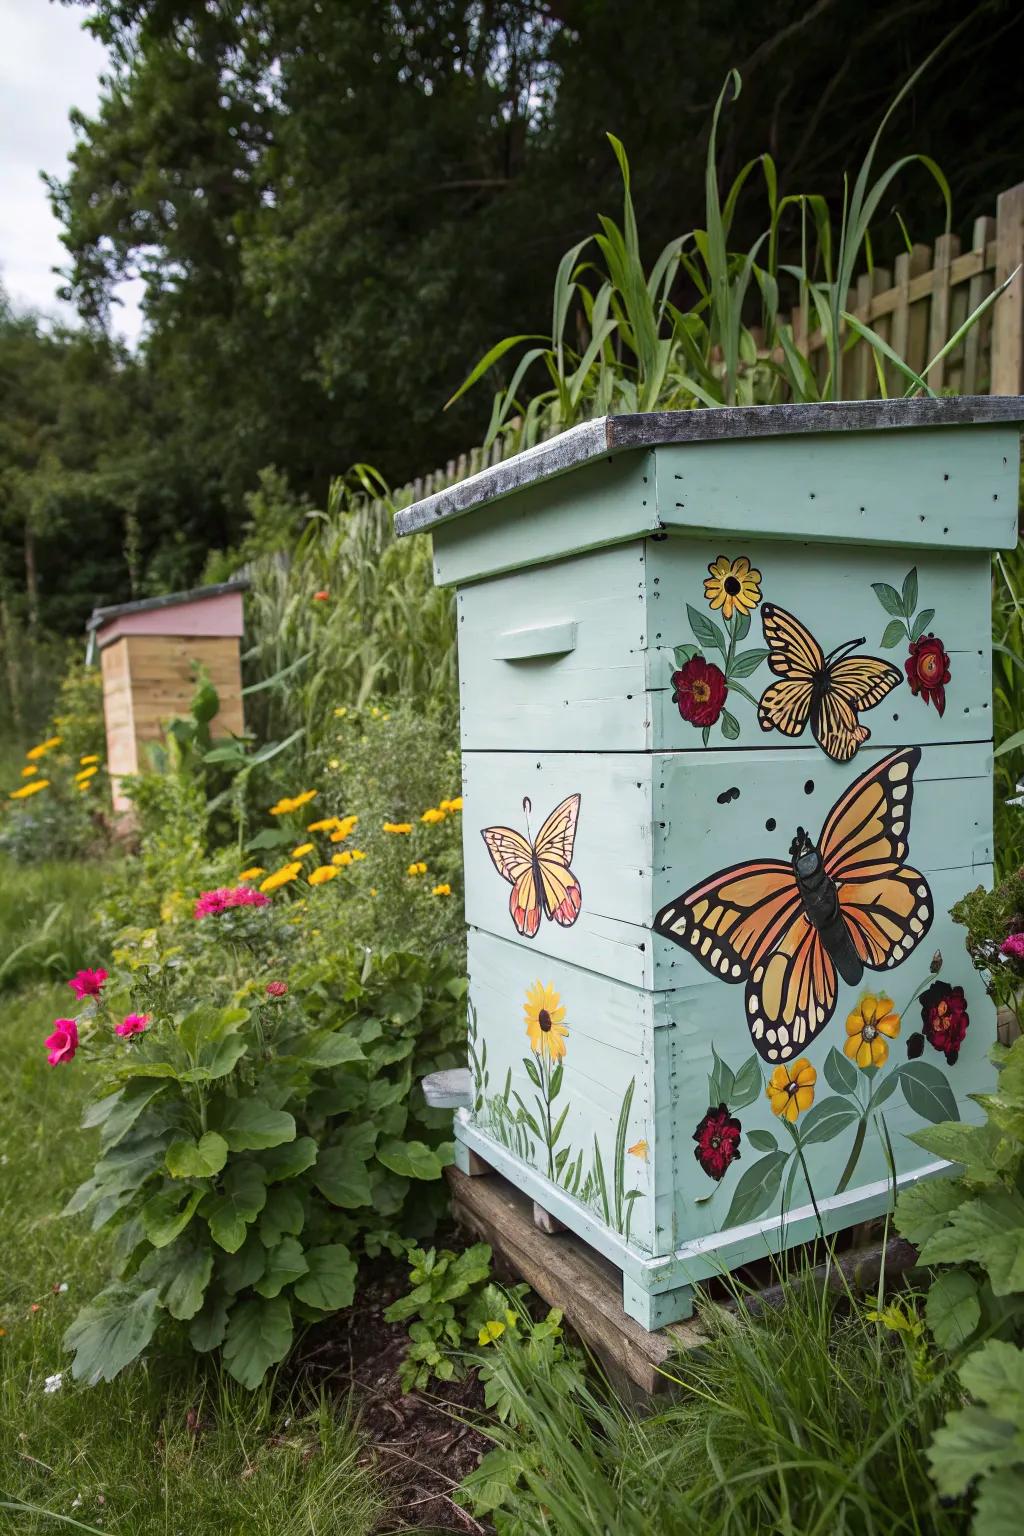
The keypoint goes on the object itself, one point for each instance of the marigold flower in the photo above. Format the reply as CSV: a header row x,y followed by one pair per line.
x,y
867,1030
284,807
344,825
790,1089
63,1043
132,1024
417,869
441,890
90,757
433,816
357,854
87,983
85,774
29,770
327,825
322,875
397,826
342,860
451,805
253,873
282,876
31,788
35,753
301,851
84,785
306,796
544,1013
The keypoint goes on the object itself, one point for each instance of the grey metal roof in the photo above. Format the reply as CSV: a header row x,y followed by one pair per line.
x,y
615,434
101,616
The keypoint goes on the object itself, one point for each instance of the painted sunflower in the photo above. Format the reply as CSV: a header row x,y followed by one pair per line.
x,y
544,1013
868,1029
733,586
791,1089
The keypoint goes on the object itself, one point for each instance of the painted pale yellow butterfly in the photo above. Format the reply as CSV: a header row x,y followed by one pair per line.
x,y
539,872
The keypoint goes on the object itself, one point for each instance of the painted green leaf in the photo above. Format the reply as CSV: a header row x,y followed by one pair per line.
x,y
826,1119
284,1214
331,1280
840,1072
889,598
240,1200
556,1080
259,1335
746,663
411,1159
685,653
341,1170
289,1159
908,596
884,1088
953,1310
895,632
197,1159
241,1269
747,1085
757,1187
741,627
111,1332
921,623
720,1081
532,1071
207,1329
730,725
922,1210
249,1125
707,633
285,1263
184,1292
927,1091
762,1141
167,1214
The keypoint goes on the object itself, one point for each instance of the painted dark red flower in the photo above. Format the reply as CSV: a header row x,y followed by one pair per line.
x,y
945,1018
700,690
718,1141
927,669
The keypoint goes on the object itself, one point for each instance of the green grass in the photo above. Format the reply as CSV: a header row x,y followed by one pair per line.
x,y
171,1446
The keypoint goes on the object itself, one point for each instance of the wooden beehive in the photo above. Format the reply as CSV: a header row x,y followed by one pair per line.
x,y
727,747
151,652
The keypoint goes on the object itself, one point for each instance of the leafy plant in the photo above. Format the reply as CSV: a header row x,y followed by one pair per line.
x,y
448,1304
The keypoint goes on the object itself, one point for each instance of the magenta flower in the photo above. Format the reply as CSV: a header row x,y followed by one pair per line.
x,y
132,1024
63,1043
210,903
87,984
276,988
1013,946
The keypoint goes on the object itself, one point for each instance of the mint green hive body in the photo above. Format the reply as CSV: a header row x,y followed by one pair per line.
x,y
589,575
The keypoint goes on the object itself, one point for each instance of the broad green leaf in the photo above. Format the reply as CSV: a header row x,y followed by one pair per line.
x,y
972,1441
885,1086
998,1503
183,1296
248,1125
411,1159
259,1335
118,1112
747,1085
972,1145
239,1270
207,1329
921,623
922,1210
240,1200
341,1170
908,597
988,1231
217,1060
889,598
994,1375
762,1141
197,1159
401,1002
927,1091
165,1215
720,1082
111,1332
730,725
285,1263
757,1187
840,1072
894,633
288,1160
746,663
333,1048
206,1025
827,1119
707,633
684,653
330,1283
284,1214
953,1310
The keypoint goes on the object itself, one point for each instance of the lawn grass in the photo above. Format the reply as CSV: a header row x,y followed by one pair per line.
x,y
171,1446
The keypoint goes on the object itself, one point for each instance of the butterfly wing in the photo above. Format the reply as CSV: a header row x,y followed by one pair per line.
x,y
559,888
797,659
851,684
792,993
887,905
512,857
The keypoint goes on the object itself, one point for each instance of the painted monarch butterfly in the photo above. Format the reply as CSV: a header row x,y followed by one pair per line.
x,y
828,690
785,929
539,872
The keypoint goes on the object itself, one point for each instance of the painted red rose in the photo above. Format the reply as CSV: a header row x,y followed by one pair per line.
x,y
718,1141
945,1018
700,691
927,669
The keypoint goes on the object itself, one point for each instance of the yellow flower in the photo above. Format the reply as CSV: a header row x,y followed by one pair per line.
x,y
85,774
397,826
441,890
733,585
27,773
639,1150
491,1330
334,763
327,825
452,805
417,869
252,874
91,757
544,1013
345,826
35,753
342,859
32,788
306,796
284,807
357,854
432,817
791,1089
322,875
866,1029
281,877
340,714
301,851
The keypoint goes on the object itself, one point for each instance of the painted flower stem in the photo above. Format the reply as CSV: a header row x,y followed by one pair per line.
x,y
854,1157
807,1177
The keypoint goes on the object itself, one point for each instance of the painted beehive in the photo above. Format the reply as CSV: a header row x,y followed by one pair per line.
x,y
150,653
727,746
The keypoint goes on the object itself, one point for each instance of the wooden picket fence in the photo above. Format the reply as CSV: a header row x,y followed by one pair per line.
x,y
914,307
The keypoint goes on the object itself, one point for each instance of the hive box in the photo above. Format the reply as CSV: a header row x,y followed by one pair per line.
x,y
150,653
727,751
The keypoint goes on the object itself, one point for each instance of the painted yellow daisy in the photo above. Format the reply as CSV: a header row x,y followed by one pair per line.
x,y
791,1089
322,875
733,586
868,1029
544,1013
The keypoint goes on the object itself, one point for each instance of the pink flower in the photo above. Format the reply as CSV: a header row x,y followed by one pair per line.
x,y
63,1043
276,988
210,903
1013,946
87,984
132,1024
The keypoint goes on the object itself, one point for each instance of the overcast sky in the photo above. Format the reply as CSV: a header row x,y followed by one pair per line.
x,y
47,65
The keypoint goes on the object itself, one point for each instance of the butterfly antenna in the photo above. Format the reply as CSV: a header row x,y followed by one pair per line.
x,y
527,808
845,648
